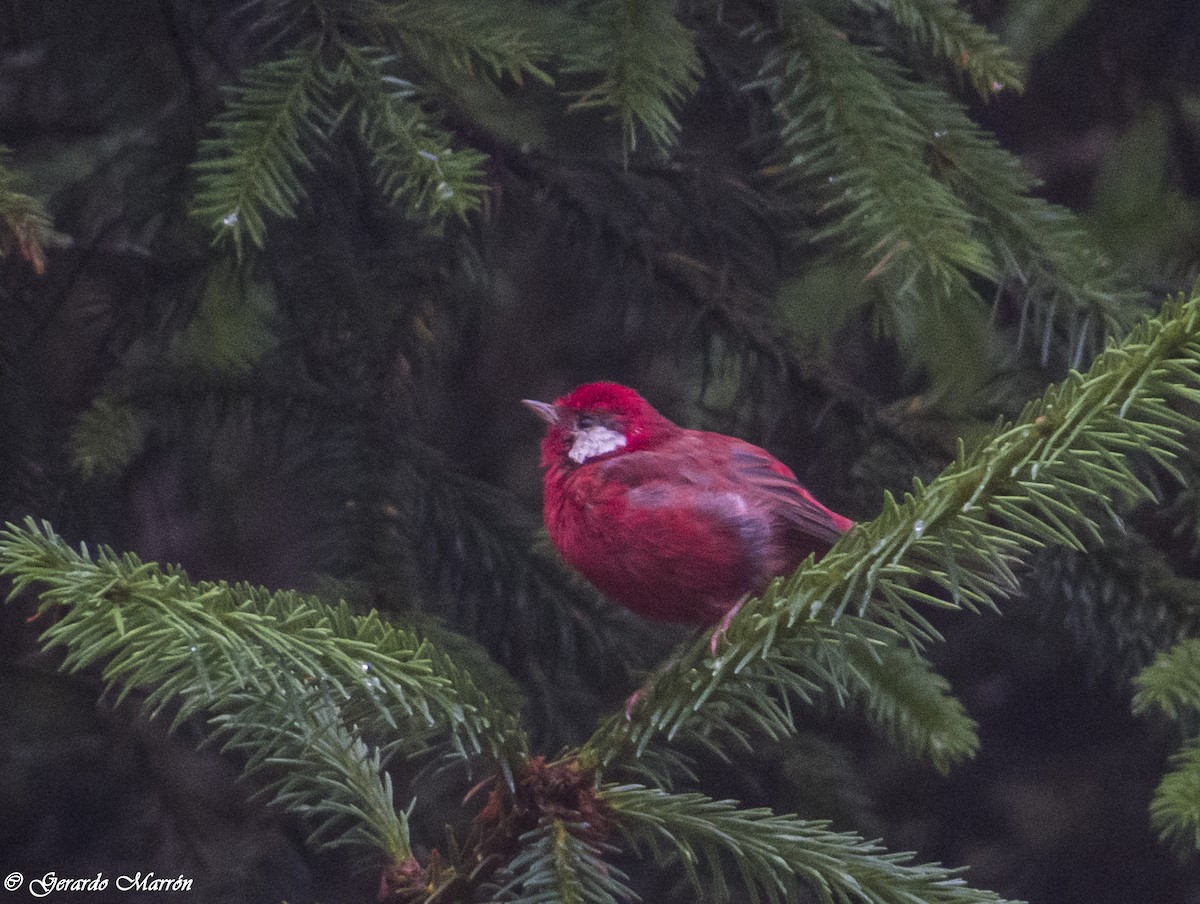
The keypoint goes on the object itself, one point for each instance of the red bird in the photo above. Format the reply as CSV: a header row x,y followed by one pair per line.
x,y
676,525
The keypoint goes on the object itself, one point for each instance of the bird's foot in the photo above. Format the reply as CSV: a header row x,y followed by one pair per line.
x,y
631,704
723,626
642,692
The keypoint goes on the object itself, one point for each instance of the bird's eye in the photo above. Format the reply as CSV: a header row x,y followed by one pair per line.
x,y
585,422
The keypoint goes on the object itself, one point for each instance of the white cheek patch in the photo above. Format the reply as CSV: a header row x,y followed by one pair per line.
x,y
594,441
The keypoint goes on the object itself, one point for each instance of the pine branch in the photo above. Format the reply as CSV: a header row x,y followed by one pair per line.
x,y
290,22
854,661
1172,682
232,327
929,199
948,30
1184,510
558,866
314,763
895,686
278,118
646,63
1047,259
415,166
195,642
845,128
902,693
776,855
106,437
1175,809
1119,604
953,544
230,331
448,35
24,223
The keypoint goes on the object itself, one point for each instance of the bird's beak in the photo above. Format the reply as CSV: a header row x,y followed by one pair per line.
x,y
544,410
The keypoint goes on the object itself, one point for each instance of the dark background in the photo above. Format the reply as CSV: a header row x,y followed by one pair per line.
x,y
378,448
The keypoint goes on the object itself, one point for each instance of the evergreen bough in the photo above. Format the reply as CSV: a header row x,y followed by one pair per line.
x,y
321,699
898,175
24,223
1171,684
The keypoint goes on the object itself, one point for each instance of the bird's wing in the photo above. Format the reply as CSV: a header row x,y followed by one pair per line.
x,y
793,503
729,477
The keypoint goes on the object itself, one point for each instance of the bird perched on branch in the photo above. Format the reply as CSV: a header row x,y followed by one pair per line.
x,y
677,525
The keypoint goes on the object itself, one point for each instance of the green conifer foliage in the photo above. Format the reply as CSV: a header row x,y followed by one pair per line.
x,y
323,698
307,255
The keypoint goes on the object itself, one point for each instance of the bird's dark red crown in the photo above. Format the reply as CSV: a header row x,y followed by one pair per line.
x,y
604,397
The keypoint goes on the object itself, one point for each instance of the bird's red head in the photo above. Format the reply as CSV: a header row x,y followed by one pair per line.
x,y
597,420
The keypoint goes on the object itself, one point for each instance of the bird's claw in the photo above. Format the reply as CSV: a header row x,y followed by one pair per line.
x,y
716,638
634,699
723,626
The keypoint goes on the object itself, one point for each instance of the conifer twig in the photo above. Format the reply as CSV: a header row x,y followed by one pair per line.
x,y
952,544
776,855
203,644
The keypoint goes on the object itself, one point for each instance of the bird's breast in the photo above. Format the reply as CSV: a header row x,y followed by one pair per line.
x,y
667,552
